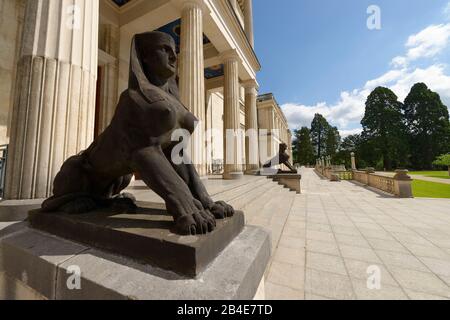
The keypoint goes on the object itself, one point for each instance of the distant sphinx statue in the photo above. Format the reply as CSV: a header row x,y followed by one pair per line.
x,y
139,140
281,158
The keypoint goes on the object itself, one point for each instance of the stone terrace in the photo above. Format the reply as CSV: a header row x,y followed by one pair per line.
x,y
336,231
325,239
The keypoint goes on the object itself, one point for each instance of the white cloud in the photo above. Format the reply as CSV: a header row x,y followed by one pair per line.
x,y
346,133
427,43
447,10
348,111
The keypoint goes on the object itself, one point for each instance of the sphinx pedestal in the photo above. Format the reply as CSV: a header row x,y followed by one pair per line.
x,y
288,180
130,256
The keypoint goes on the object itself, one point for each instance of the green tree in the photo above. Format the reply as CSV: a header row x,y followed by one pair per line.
x,y
348,145
303,147
351,143
333,140
443,160
427,120
319,129
384,128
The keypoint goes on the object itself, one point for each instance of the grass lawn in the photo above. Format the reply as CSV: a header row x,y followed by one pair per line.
x,y
432,174
426,189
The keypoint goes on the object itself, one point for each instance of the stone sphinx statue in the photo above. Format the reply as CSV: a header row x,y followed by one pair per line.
x,y
139,140
281,158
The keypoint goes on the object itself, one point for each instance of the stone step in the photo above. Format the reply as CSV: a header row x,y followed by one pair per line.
x,y
273,215
231,194
216,186
253,208
258,193
257,212
218,189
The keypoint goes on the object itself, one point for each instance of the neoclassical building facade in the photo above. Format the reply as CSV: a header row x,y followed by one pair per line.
x,y
273,124
64,63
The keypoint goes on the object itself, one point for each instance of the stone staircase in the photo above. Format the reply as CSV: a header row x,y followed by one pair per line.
x,y
264,202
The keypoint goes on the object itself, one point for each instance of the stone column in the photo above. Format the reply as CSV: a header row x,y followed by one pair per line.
x,y
353,160
251,126
109,43
54,105
248,21
231,116
192,77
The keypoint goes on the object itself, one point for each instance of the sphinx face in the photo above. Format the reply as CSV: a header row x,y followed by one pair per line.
x,y
160,59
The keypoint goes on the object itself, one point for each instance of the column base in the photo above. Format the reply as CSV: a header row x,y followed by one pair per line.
x,y
233,175
17,210
252,172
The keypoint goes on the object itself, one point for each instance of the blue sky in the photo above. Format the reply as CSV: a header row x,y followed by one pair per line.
x,y
319,55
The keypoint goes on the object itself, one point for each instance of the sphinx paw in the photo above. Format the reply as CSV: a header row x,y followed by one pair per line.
x,y
222,210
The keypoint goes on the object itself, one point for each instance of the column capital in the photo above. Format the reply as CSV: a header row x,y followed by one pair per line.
x,y
230,56
250,84
192,4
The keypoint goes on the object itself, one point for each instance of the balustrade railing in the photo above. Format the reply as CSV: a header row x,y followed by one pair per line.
x,y
344,175
399,184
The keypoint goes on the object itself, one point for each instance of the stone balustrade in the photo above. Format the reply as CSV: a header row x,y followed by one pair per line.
x,y
344,175
399,184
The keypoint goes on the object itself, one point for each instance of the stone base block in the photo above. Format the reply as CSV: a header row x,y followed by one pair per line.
x,y
146,236
233,175
17,210
289,180
252,172
50,267
335,178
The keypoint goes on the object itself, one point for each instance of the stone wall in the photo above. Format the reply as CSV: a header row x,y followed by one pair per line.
x,y
11,20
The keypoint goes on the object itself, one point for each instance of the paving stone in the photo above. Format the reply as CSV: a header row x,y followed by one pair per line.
x,y
359,270
328,285
294,232
314,297
296,224
325,247
398,259
427,251
387,245
414,295
438,266
358,241
411,238
324,262
384,293
292,242
425,282
287,275
277,292
290,255
319,235
318,227
350,231
359,253
376,234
